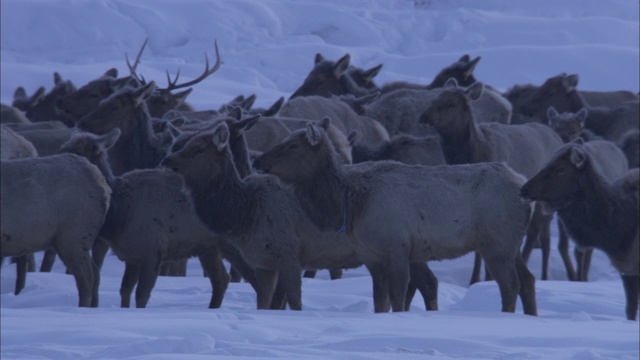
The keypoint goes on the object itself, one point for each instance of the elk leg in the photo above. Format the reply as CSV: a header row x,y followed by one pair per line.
x,y
78,261
527,287
380,287
506,275
211,261
422,278
47,260
129,281
335,274
265,286
21,272
149,272
310,274
563,247
631,287
477,266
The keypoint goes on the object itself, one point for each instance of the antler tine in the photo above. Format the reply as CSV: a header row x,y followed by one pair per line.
x,y
205,74
132,69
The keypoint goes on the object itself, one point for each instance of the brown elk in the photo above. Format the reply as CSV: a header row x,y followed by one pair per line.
x,y
596,213
610,122
163,100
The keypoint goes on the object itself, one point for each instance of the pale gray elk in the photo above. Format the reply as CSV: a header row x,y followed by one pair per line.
x,y
12,115
399,111
630,145
57,201
524,148
315,107
396,214
14,146
597,213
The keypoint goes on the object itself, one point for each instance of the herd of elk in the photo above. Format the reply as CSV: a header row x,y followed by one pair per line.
x,y
344,173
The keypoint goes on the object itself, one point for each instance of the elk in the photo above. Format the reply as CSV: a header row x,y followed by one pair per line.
x,y
396,213
406,149
15,146
596,213
138,147
609,122
163,100
44,109
57,201
523,147
151,221
86,98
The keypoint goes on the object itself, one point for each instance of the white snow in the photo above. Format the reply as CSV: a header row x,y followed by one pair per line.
x,y
268,48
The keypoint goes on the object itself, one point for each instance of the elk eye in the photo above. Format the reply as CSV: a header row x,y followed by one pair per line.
x,y
292,147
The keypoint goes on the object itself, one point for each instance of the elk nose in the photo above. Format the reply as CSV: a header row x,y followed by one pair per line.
x,y
258,165
524,194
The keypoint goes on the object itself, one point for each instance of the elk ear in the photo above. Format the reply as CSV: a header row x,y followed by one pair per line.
x,y
20,94
141,94
38,94
570,82
246,123
235,112
552,114
182,96
578,157
248,102
373,72
470,66
582,116
312,134
474,91
220,136
107,140
464,58
353,137
112,73
57,78
71,87
341,66
319,58
324,123
452,83
275,107
365,99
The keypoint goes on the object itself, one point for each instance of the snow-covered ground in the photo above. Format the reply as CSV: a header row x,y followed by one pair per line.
x,y
268,48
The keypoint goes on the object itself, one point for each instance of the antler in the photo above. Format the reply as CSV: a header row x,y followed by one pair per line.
x,y
132,69
205,74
